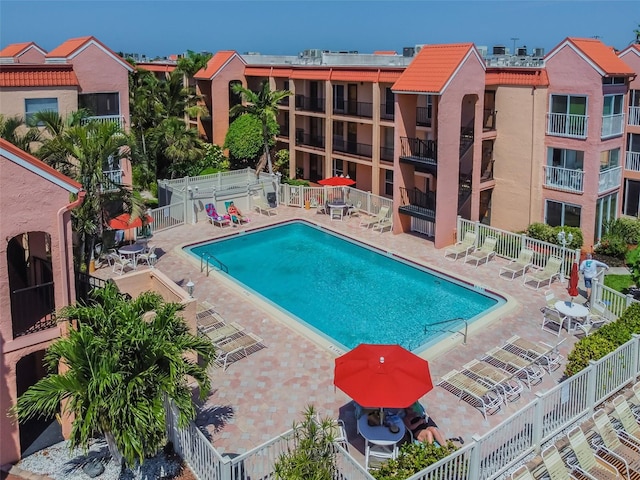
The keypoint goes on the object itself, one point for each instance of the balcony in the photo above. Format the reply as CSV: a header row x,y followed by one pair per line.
x,y
567,125
423,116
418,204
612,125
112,180
386,154
634,116
387,111
420,153
352,148
309,104
354,109
32,309
564,179
308,140
609,179
119,119
633,162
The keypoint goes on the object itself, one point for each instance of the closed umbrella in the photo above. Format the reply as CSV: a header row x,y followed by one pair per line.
x,y
573,281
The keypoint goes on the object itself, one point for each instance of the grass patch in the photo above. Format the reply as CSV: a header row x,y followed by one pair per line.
x,y
620,283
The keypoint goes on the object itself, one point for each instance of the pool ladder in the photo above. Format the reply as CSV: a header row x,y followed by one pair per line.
x,y
457,319
205,264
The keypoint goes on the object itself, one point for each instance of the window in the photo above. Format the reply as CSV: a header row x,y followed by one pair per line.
x,y
609,159
234,98
567,116
612,105
100,104
613,80
388,182
338,98
606,210
631,198
337,168
570,159
35,105
559,214
612,116
389,100
569,104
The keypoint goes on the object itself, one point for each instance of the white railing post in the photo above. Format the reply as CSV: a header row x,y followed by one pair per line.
x,y
474,458
538,418
459,229
225,469
476,230
591,386
186,196
629,299
635,359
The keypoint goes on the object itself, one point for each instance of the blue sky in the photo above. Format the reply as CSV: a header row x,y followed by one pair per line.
x,y
162,27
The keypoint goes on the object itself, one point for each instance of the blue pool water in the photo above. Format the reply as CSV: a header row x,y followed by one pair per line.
x,y
345,290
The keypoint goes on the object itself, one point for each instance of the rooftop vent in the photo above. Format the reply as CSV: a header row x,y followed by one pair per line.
x,y
538,52
408,51
499,50
522,51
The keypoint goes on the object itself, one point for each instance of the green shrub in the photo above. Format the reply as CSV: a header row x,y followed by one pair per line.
x,y
631,318
546,233
295,182
588,348
412,458
613,246
540,231
151,203
153,188
616,332
632,260
628,229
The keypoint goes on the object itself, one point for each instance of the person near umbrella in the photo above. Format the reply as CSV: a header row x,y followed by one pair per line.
x,y
589,268
422,431
235,212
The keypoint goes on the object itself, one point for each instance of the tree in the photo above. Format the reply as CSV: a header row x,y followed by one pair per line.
x,y
264,106
12,130
122,361
193,62
177,147
637,33
312,456
245,141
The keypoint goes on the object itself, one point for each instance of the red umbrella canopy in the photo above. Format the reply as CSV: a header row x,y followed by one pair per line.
x,y
573,281
337,182
124,222
385,376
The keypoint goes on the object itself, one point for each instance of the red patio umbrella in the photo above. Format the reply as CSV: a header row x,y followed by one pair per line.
x,y
384,376
573,281
124,222
337,182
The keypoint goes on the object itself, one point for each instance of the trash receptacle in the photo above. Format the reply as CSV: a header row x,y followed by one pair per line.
x,y
271,198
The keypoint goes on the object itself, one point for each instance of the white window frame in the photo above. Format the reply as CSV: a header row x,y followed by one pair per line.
x,y
564,206
29,112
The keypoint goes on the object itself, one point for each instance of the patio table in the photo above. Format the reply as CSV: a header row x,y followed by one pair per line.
x,y
575,312
379,434
132,251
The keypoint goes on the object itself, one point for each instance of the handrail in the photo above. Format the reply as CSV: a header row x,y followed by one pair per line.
x,y
457,319
208,257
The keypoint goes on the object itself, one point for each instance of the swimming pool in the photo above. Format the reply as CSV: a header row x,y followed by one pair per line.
x,y
347,291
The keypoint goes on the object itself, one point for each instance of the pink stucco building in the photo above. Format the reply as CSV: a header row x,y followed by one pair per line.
x,y
36,279
446,133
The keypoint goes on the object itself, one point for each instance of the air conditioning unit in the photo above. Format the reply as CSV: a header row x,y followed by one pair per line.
x,y
538,52
419,47
314,52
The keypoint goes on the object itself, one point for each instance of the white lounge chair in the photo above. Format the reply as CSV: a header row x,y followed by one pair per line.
x,y
371,221
550,271
483,254
227,349
463,247
386,222
261,205
518,266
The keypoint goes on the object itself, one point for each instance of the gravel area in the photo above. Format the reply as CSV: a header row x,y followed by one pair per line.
x,y
59,462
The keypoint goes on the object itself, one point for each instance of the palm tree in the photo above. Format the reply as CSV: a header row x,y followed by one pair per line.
x,y
121,363
11,129
264,105
177,146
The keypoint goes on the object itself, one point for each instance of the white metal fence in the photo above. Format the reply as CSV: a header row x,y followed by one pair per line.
x,y
301,196
609,179
633,161
167,217
614,301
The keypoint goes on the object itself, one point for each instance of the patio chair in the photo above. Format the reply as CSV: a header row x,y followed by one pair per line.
x,y
371,221
380,452
336,213
510,386
555,466
483,254
522,473
634,401
476,393
463,247
595,319
120,263
553,321
340,435
213,216
522,368
550,298
149,257
207,318
623,452
386,222
354,210
226,350
542,353
550,271
223,331
235,219
261,205
589,463
320,207
627,418
518,266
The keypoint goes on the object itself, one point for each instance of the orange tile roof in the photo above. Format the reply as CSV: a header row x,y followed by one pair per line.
x,y
37,75
71,46
155,67
432,68
388,76
311,73
40,168
634,47
214,64
517,76
602,56
258,71
354,75
17,48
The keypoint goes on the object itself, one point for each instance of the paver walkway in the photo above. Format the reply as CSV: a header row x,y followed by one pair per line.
x,y
260,396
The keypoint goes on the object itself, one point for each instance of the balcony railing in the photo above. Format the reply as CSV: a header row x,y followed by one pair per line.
x,y
418,151
609,179
310,104
119,119
423,116
565,179
567,125
387,111
633,161
85,284
612,125
386,154
356,109
32,309
308,140
418,204
634,116
352,148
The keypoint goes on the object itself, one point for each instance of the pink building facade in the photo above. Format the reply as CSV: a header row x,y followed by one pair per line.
x,y
37,279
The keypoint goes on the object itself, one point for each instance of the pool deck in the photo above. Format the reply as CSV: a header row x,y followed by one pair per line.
x,y
258,397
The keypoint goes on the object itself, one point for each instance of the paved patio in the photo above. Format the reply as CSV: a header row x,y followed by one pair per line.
x,y
259,397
